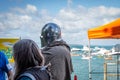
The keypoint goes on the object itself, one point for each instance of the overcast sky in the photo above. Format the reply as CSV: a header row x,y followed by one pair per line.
x,y
25,18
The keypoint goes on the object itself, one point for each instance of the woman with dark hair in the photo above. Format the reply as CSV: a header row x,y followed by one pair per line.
x,y
29,61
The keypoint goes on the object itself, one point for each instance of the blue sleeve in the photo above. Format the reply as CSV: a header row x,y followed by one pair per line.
x,y
6,65
24,78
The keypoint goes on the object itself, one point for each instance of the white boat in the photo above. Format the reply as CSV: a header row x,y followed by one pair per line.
x,y
75,49
85,48
96,49
113,52
86,57
101,52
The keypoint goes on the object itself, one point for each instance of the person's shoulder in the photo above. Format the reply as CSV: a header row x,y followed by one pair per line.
x,y
61,47
24,78
1,53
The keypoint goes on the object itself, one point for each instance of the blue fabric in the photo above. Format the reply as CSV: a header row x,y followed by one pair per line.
x,y
4,65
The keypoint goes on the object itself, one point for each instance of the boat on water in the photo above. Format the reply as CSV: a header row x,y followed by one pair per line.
x,y
112,52
85,48
86,57
101,52
96,49
75,49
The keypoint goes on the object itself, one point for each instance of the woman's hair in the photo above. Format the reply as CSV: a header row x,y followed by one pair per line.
x,y
26,54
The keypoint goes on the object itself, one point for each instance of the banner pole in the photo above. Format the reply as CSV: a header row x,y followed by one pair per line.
x,y
90,76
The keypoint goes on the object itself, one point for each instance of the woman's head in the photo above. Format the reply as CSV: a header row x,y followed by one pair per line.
x,y
27,54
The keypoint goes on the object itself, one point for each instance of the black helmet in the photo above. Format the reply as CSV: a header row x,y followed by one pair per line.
x,y
50,32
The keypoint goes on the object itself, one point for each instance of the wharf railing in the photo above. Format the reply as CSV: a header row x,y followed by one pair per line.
x,y
112,68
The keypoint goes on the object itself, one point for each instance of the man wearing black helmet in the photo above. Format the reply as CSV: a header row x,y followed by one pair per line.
x,y
56,52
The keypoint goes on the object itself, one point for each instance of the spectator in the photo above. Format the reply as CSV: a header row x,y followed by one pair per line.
x,y
29,62
56,52
5,67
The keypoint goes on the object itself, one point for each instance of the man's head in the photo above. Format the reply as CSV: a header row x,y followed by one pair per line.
x,y
50,32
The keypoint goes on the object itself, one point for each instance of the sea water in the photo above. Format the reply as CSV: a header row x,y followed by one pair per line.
x,y
81,66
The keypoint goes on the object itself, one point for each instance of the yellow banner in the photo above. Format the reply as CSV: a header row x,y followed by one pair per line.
x,y
6,47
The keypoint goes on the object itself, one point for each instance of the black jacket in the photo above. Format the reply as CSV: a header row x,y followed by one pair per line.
x,y
58,54
34,73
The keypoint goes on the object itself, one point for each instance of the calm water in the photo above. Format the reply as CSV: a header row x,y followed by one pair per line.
x,y
81,65
81,68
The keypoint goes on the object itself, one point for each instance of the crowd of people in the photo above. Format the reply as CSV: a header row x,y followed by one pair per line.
x,y
51,62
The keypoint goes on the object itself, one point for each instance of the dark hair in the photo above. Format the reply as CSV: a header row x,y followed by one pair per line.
x,y
26,53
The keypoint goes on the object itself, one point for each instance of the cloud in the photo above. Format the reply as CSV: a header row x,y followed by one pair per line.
x,y
74,22
30,9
